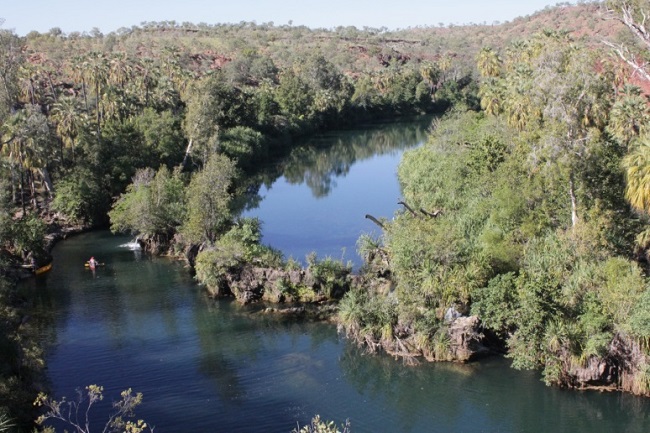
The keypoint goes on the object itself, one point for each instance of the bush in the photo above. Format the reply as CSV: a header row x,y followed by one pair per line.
x,y
319,426
331,275
639,320
497,303
366,318
28,234
75,413
80,198
237,247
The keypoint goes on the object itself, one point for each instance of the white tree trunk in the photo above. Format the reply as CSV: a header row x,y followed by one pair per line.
x,y
574,206
187,152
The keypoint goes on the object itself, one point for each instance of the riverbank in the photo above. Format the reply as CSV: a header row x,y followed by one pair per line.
x,y
207,364
23,367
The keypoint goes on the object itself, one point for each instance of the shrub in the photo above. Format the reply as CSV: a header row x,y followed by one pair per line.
x,y
331,275
497,303
75,413
237,247
80,198
319,426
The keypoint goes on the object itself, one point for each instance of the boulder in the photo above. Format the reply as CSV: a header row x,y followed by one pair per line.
x,y
466,342
598,372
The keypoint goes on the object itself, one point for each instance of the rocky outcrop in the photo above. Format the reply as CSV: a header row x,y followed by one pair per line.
x,y
622,368
601,373
252,284
466,342
320,312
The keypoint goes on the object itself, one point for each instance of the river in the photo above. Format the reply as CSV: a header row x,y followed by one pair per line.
x,y
316,199
214,366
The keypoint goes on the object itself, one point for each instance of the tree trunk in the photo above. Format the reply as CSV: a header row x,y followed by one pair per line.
x,y
83,89
375,220
14,190
49,80
409,209
22,190
574,206
187,152
32,189
47,180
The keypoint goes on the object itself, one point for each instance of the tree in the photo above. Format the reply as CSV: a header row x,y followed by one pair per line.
x,y
119,70
295,98
69,119
80,197
162,134
489,63
214,105
630,115
152,207
27,142
10,61
491,98
552,87
242,144
633,14
637,170
208,200
95,70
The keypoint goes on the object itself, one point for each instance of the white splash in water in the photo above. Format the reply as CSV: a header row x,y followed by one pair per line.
x,y
133,245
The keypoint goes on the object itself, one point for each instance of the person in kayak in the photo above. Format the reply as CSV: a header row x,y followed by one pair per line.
x,y
92,263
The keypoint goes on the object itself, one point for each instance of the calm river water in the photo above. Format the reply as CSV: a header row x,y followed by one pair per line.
x,y
214,366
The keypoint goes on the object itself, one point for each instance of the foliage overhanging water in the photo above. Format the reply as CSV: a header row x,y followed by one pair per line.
x,y
207,365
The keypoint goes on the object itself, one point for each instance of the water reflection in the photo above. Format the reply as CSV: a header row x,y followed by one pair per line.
x,y
206,365
486,396
321,159
316,198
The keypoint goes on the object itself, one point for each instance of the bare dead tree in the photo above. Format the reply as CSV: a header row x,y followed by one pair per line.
x,y
625,14
433,214
408,208
375,220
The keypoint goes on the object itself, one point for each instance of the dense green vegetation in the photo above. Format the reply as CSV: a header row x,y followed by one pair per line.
x,y
528,206
156,130
518,214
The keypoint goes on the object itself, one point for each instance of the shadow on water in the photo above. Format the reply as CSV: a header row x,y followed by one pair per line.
x,y
484,396
213,365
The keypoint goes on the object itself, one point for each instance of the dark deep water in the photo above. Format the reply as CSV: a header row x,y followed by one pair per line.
x,y
214,366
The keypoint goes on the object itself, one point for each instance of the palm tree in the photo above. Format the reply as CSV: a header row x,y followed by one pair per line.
x,y
26,83
120,70
491,97
69,117
11,58
430,74
489,63
27,146
78,74
637,170
519,110
146,79
95,69
630,116
170,63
